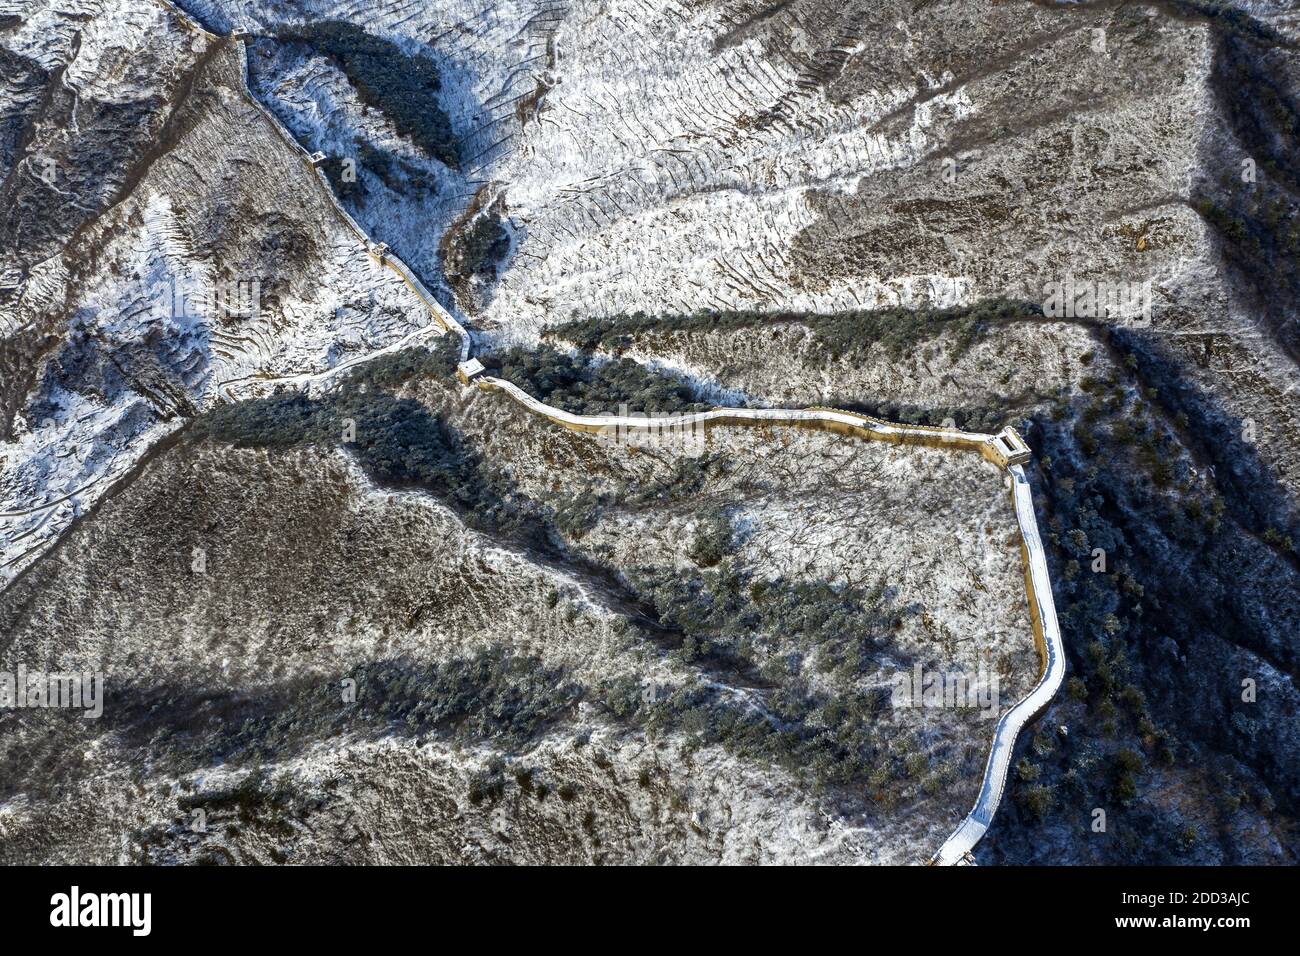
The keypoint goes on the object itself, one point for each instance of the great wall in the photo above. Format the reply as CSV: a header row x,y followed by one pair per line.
x,y
1005,450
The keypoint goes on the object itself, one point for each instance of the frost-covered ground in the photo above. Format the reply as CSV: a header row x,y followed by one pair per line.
x,y
383,587
642,165
673,158
216,257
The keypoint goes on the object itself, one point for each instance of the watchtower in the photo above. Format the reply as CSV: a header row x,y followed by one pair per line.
x,y
466,370
1008,448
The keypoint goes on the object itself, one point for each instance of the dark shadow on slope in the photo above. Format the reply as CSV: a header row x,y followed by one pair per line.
x,y
1255,208
1254,497
1153,635
402,444
835,335
404,87
493,696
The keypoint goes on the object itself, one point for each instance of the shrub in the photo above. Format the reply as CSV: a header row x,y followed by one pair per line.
x,y
1129,761
584,388
713,541
1037,800
481,246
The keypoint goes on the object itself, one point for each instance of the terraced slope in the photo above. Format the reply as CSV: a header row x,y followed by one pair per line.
x,y
217,259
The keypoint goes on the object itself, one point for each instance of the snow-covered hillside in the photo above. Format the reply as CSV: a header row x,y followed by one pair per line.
x,y
758,179
218,257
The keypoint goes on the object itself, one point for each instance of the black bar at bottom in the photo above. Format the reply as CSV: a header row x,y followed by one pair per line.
x,y
197,907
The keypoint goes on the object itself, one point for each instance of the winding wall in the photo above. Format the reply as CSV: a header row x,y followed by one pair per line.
x,y
1042,611
1038,587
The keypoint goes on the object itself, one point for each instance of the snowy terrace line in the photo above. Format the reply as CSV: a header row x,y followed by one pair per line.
x,y
1005,450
